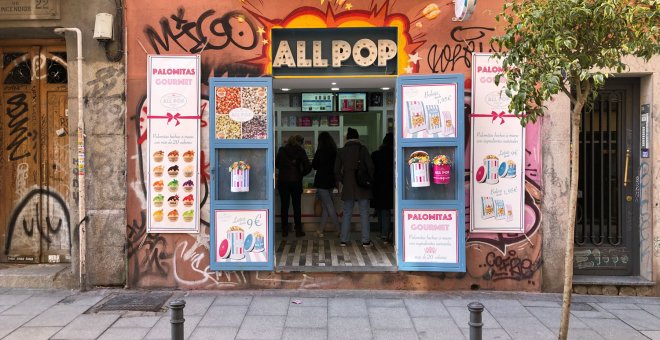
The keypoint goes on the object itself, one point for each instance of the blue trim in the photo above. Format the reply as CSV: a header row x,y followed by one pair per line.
x,y
458,170
214,145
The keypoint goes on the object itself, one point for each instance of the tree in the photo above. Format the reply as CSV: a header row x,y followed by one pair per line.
x,y
570,46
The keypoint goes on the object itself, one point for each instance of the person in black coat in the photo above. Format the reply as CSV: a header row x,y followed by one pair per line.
x,y
293,165
324,180
383,188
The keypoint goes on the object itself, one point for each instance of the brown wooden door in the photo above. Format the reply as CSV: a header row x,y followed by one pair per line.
x,y
34,169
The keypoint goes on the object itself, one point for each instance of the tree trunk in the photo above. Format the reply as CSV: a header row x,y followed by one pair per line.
x,y
576,118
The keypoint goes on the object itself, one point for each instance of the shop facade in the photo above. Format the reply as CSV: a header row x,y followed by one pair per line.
x,y
238,46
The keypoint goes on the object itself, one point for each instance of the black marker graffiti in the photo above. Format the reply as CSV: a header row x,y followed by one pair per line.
x,y
233,28
16,110
467,40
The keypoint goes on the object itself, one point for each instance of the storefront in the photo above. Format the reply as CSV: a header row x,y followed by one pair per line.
x,y
468,212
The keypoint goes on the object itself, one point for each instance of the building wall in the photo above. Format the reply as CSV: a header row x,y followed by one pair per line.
x,y
236,48
104,112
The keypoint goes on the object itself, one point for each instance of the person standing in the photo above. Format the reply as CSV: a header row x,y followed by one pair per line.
x,y
324,180
383,188
293,165
352,156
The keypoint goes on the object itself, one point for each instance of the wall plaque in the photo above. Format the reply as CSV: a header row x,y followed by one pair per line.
x,y
29,9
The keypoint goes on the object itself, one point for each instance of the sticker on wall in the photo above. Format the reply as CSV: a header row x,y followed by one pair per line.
x,y
241,235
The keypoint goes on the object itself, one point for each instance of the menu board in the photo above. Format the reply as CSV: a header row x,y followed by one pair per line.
x,y
497,186
173,116
241,112
352,102
317,102
241,235
430,236
429,111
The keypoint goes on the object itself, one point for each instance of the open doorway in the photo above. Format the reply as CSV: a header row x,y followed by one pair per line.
x,y
309,107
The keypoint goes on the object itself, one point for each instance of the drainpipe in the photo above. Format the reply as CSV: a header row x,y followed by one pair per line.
x,y
82,233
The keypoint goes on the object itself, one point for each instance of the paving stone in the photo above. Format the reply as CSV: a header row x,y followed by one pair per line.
x,y
653,309
613,329
653,335
489,334
505,308
4,308
395,334
232,301
425,307
307,317
32,333
309,302
122,333
88,326
616,306
136,322
269,305
638,319
385,303
342,307
598,313
345,328
33,305
83,300
215,333
162,328
581,334
534,303
461,316
388,318
526,328
431,327
261,327
305,334
458,302
8,323
197,305
226,316
12,299
58,315
551,318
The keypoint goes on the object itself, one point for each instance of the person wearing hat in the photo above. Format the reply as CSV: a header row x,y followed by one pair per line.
x,y
349,158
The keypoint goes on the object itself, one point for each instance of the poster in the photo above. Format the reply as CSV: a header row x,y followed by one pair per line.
x,y
497,183
173,90
429,111
241,112
430,236
241,235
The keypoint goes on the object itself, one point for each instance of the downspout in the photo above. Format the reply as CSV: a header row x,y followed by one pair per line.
x,y
82,233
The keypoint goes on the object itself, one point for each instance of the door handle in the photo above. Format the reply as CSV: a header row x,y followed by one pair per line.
x,y
625,171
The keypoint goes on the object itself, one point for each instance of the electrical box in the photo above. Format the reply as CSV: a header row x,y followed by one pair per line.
x,y
103,26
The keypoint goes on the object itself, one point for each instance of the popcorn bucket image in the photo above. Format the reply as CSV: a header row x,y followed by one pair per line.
x,y
511,169
236,237
491,163
240,176
441,173
419,169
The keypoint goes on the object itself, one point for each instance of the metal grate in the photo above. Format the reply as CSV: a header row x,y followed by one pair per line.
x,y
147,302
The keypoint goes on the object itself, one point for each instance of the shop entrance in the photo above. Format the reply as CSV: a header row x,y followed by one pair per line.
x,y
34,163
308,107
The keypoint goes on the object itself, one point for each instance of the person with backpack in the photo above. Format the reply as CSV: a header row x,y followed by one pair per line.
x,y
354,169
324,180
383,188
293,165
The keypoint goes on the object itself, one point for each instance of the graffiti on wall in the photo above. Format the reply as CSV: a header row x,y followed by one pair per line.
x,y
234,40
17,124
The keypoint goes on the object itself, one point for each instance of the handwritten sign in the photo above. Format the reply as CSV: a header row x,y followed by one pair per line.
x,y
241,235
173,122
497,183
29,9
430,236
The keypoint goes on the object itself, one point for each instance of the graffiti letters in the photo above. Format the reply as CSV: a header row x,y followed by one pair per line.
x,y
209,31
511,266
645,230
22,176
17,109
466,40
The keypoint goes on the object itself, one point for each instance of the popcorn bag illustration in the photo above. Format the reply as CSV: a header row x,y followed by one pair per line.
x,y
236,237
240,176
416,116
491,165
419,169
441,169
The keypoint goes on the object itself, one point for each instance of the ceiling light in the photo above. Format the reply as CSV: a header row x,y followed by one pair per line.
x,y
385,88
285,89
333,83
334,89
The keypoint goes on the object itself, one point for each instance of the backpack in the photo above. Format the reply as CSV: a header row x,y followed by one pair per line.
x,y
362,176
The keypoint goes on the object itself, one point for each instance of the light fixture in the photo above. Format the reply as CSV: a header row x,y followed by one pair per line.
x,y
334,89
285,89
385,88
333,83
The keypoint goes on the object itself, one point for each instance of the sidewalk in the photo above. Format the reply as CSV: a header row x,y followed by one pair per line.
x,y
63,314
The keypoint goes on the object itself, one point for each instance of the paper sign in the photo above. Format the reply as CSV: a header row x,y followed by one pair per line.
x,y
430,236
241,235
429,111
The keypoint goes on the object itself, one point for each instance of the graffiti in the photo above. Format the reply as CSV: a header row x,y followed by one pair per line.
x,y
152,247
22,176
465,41
209,31
600,258
656,247
106,108
511,266
31,220
645,230
17,108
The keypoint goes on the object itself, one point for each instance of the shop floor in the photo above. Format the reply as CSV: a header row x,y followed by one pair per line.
x,y
312,253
